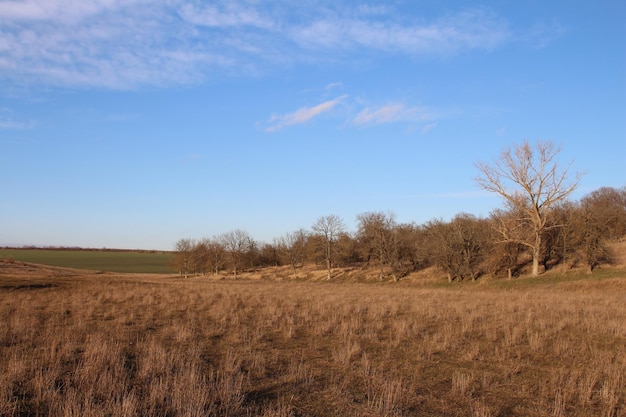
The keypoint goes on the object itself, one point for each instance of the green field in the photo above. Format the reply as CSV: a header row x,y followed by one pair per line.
x,y
99,260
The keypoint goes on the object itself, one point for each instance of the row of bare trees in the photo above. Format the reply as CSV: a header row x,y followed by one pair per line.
x,y
465,247
538,228
234,249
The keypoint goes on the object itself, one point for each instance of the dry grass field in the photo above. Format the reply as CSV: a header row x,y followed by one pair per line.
x,y
80,344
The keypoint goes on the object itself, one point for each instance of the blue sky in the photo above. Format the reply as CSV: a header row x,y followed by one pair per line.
x,y
134,123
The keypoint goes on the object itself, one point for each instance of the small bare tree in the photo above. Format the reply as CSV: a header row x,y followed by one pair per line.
x,y
237,244
457,246
328,229
216,254
292,248
530,180
199,257
377,236
184,254
508,232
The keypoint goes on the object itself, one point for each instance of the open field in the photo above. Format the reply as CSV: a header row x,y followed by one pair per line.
x,y
81,344
99,260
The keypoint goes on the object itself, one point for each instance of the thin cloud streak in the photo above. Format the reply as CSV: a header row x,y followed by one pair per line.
x,y
391,113
15,125
468,30
57,10
9,122
302,115
229,15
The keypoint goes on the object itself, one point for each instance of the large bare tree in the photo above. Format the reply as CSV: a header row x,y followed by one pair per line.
x,y
328,229
531,180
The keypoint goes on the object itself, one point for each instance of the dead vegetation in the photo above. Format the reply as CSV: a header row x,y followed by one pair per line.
x,y
121,345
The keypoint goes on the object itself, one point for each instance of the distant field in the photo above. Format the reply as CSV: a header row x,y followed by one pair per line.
x,y
114,261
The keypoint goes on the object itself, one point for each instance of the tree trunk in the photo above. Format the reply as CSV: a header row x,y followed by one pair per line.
x,y
328,268
329,259
536,254
535,271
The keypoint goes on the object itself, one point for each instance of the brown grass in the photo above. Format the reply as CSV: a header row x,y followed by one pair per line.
x,y
120,345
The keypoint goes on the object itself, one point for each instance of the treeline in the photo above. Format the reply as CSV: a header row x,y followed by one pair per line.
x,y
576,233
79,249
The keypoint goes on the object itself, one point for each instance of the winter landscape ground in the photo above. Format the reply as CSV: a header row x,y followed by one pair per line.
x,y
87,343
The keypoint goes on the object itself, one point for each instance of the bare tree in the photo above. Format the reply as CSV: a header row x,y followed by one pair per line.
x,y
529,179
346,250
216,254
237,244
471,236
443,248
199,257
184,254
376,234
413,251
457,246
508,232
328,229
292,248
609,207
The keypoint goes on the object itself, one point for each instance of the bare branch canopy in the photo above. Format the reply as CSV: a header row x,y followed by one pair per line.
x,y
530,180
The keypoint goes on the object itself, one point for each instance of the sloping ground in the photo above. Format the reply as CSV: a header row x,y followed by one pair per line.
x,y
13,273
27,275
17,268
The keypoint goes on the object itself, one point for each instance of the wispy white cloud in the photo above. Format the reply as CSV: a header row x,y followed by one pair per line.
x,y
302,115
106,43
38,10
428,127
229,14
9,122
477,29
335,85
415,117
390,113
128,44
542,34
